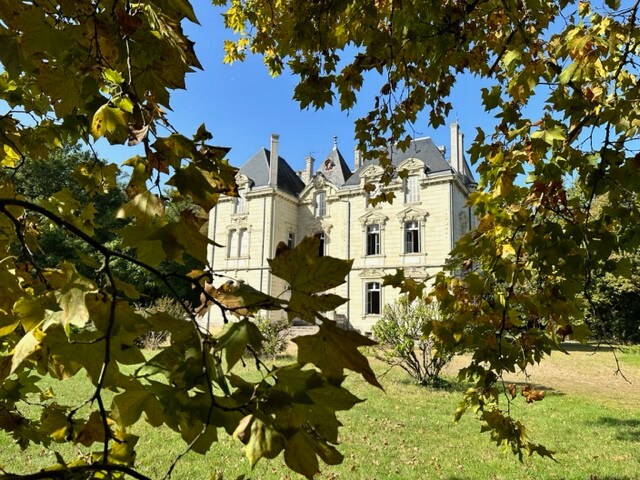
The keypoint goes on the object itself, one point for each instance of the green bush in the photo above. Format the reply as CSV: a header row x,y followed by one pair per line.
x,y
614,313
275,335
401,334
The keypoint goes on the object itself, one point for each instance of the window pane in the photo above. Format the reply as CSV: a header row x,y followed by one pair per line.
x,y
238,204
411,237
291,240
243,240
321,205
373,239
321,246
373,298
233,244
411,189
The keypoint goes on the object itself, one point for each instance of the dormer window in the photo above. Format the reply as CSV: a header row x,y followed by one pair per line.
x,y
239,203
411,189
320,204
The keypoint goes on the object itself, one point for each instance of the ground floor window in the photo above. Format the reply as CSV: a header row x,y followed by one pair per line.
x,y
373,299
321,246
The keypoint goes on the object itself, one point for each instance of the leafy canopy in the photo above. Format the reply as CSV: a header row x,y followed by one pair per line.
x,y
74,72
562,82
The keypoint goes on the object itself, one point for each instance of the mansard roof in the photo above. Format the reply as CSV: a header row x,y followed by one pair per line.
x,y
257,169
422,148
335,169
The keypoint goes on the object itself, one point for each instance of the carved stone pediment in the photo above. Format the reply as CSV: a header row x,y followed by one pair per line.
x,y
412,213
372,273
371,172
412,165
373,217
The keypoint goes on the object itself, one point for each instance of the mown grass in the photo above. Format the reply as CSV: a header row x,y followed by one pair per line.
x,y
407,432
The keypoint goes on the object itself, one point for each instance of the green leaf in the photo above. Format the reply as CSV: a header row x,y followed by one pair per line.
x,y
25,347
260,438
332,350
108,121
234,339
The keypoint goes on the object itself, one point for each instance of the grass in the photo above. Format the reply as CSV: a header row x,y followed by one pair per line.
x,y
589,417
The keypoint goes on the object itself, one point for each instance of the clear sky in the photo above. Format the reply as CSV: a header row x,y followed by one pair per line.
x,y
241,105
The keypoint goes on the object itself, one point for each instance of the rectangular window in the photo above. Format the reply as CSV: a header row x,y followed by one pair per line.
x,y
412,237
291,240
232,251
239,204
411,189
373,298
373,239
243,243
321,246
321,205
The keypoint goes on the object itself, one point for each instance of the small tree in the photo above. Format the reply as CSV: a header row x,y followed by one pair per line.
x,y
275,335
404,341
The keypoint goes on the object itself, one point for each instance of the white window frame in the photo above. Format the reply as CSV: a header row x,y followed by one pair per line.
x,y
372,298
373,233
232,244
411,234
243,243
412,189
320,202
291,240
239,203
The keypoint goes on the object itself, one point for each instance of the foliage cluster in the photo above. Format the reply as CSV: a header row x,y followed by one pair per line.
x,y
614,311
562,83
275,335
403,334
83,71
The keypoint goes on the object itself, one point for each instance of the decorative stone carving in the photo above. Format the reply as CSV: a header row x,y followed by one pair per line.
x,y
412,213
373,217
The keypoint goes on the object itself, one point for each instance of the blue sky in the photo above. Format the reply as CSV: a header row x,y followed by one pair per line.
x,y
241,105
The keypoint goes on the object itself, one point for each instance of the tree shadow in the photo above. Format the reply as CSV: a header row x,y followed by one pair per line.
x,y
586,347
627,430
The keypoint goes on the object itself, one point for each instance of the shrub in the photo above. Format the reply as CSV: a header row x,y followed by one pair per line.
x,y
402,342
274,333
153,340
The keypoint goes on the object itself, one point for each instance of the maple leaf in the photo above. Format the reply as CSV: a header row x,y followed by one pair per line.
x,y
332,350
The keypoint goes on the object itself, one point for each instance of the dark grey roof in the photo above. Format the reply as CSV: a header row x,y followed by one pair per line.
x,y
422,149
335,169
257,169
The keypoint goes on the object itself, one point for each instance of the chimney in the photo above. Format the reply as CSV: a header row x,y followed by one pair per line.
x,y
357,159
456,148
443,150
460,151
273,161
308,169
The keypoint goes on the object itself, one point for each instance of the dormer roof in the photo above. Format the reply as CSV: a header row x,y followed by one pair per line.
x,y
257,169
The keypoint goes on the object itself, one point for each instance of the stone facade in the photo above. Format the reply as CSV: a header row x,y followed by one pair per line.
x,y
416,232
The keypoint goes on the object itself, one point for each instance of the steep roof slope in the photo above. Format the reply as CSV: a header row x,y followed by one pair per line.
x,y
335,169
422,148
257,169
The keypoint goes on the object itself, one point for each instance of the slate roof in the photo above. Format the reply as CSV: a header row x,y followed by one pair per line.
x,y
257,169
335,169
422,148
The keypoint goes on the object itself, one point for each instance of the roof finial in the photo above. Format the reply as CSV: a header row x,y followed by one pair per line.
x,y
335,142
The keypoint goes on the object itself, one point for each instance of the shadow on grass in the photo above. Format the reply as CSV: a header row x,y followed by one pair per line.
x,y
586,347
626,429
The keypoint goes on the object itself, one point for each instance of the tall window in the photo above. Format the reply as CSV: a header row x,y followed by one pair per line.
x,y
411,189
321,246
372,291
239,203
291,240
373,239
412,237
243,243
238,243
321,205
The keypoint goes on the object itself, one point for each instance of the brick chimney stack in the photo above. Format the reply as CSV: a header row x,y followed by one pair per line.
x,y
273,160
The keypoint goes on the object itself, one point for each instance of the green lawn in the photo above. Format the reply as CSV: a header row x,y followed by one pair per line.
x,y
590,417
